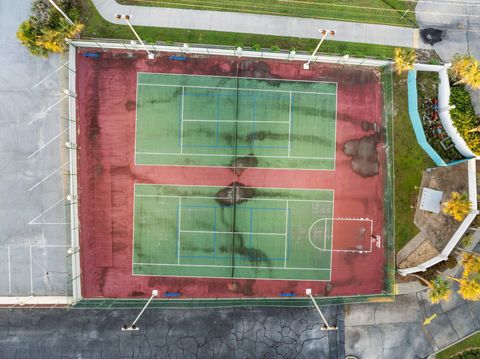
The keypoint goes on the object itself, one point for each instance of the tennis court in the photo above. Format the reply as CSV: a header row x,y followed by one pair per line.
x,y
235,121
268,234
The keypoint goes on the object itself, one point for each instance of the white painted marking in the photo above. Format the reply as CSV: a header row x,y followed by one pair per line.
x,y
212,197
227,155
181,119
233,121
47,177
244,233
236,266
240,89
46,144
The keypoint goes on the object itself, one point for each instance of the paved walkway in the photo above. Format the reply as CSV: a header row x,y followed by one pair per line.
x,y
260,24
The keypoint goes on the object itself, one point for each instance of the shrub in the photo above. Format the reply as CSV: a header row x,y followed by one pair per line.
x,y
404,60
466,70
464,118
275,48
458,206
46,29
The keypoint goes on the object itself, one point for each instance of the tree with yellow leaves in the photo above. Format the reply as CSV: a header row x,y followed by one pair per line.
x,y
466,70
46,30
404,59
458,206
469,282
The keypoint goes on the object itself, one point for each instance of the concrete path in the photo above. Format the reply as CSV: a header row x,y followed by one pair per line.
x,y
260,24
32,256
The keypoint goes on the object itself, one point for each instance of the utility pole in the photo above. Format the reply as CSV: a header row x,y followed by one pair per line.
x,y
326,326
127,18
61,12
133,325
324,33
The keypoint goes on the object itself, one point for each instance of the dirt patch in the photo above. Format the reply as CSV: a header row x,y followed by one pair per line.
x,y
364,154
234,193
240,164
130,105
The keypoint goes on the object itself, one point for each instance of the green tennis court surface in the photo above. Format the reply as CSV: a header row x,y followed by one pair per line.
x,y
272,234
210,120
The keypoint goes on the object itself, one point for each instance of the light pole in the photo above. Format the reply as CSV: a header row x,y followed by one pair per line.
x,y
127,18
133,326
61,12
326,326
324,33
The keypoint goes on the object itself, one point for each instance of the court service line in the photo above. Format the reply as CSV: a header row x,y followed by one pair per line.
x,y
250,199
222,232
227,155
266,188
235,121
236,266
181,125
239,89
235,77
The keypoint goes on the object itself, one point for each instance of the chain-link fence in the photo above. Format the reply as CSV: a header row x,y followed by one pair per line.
x,y
389,190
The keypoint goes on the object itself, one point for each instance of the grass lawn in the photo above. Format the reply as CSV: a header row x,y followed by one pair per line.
x,y
96,26
469,343
390,12
410,162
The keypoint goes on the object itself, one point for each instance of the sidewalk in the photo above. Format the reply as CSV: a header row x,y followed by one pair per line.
x,y
260,24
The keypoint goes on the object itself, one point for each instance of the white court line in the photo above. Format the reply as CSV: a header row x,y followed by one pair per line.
x,y
226,155
289,125
31,271
240,89
286,236
209,186
136,130
325,234
212,197
181,117
235,77
239,121
245,233
9,272
220,266
179,228
133,220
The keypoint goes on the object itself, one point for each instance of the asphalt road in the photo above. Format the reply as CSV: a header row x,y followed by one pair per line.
x,y
223,333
